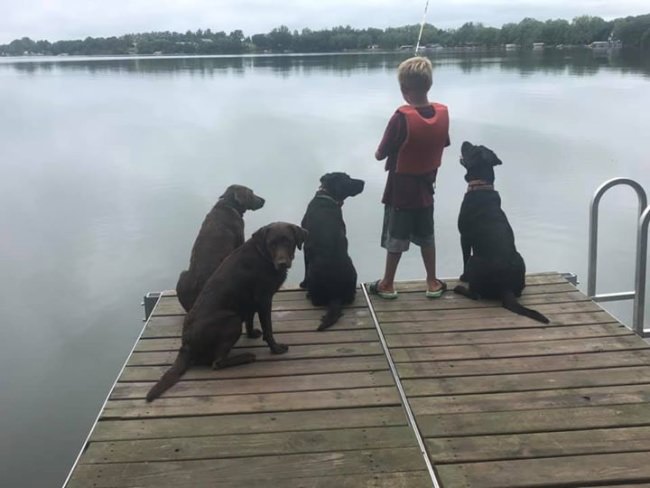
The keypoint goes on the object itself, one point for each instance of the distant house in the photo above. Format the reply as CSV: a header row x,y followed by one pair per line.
x,y
599,45
406,47
538,46
511,47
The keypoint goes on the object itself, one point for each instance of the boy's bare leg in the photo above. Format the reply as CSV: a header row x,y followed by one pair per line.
x,y
388,282
429,259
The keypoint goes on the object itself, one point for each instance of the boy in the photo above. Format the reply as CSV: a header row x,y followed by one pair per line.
x,y
413,142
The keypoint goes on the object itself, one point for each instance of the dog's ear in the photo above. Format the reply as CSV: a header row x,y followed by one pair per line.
x,y
466,147
488,155
300,235
259,238
327,179
243,196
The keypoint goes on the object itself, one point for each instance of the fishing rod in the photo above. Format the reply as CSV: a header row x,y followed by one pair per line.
x,y
424,18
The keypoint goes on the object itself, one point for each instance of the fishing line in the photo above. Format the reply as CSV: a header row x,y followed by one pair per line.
x,y
424,17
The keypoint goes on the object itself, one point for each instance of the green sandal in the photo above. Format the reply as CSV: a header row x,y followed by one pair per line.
x,y
437,293
373,289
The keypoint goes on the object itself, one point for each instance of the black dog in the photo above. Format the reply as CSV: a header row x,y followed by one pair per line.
x,y
221,233
243,285
493,267
330,277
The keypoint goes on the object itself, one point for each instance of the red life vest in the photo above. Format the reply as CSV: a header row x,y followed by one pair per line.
x,y
425,140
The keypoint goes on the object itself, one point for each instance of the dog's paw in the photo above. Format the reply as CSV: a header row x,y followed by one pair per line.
x,y
303,285
277,348
463,278
254,334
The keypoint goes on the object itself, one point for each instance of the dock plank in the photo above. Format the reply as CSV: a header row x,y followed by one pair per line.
x,y
240,386
291,339
532,400
506,336
240,424
527,382
264,354
261,369
558,471
247,469
258,444
487,312
451,301
263,402
534,348
500,400
171,325
406,479
526,364
529,421
506,322
446,450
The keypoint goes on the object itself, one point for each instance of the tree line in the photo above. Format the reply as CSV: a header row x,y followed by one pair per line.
x,y
631,31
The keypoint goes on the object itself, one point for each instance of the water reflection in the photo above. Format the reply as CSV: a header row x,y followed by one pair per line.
x,y
577,62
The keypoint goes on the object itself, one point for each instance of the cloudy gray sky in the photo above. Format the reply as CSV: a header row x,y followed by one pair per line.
x,y
66,19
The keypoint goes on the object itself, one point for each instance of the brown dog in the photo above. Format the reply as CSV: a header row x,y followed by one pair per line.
x,y
243,285
221,233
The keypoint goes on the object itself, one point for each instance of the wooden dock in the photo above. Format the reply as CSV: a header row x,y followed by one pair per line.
x,y
499,400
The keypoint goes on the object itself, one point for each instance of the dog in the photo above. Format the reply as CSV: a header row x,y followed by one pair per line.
x,y
221,233
492,266
330,277
243,285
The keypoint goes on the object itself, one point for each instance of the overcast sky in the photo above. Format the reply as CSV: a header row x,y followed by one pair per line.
x,y
68,19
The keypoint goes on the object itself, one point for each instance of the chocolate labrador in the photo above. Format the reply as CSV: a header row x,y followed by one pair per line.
x,y
330,277
221,233
492,266
243,285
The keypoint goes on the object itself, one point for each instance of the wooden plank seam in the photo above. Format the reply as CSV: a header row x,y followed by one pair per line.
x,y
405,403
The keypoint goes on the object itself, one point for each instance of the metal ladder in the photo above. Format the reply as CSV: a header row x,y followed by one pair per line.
x,y
638,294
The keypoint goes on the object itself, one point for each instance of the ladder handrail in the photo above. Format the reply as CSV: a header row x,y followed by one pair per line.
x,y
641,251
593,224
640,274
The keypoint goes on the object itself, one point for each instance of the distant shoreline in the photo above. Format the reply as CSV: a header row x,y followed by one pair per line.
x,y
443,51
580,31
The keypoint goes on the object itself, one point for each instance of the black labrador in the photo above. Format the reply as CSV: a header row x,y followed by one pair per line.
x,y
330,277
492,266
243,285
221,233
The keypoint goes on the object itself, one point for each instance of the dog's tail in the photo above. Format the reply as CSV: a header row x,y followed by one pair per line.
x,y
333,314
172,375
509,301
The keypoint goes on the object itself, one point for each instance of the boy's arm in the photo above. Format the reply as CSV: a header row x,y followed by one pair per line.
x,y
390,143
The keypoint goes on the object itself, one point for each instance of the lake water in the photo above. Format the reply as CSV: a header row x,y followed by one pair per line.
x,y
109,166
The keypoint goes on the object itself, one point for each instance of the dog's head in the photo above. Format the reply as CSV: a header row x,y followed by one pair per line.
x,y
242,198
340,186
479,162
278,242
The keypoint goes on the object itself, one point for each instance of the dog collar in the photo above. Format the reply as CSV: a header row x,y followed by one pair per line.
x,y
475,185
235,209
326,196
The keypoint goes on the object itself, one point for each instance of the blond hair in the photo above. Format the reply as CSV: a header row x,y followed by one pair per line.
x,y
414,74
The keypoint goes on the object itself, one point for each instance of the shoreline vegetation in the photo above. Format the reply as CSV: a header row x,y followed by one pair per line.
x,y
528,34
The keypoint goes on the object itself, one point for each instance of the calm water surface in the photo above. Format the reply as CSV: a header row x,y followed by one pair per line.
x,y
109,166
